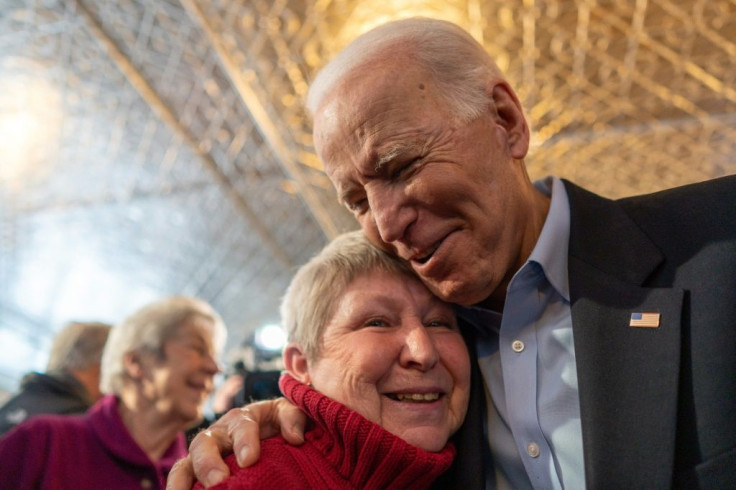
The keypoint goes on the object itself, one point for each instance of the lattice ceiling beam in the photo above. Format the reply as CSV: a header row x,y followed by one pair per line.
x,y
166,115
263,121
674,58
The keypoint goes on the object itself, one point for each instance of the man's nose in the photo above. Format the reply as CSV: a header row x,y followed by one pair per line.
x,y
419,350
391,212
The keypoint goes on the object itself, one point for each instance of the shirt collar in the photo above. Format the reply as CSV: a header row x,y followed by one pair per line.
x,y
550,252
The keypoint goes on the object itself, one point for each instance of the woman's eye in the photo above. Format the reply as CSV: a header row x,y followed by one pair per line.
x,y
377,322
441,323
202,351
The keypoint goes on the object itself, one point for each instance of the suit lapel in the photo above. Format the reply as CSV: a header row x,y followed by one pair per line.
x,y
627,377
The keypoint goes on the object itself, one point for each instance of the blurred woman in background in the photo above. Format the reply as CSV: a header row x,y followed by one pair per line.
x,y
157,371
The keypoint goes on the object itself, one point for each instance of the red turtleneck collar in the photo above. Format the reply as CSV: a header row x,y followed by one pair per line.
x,y
342,449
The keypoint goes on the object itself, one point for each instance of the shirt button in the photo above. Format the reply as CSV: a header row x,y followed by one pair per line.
x,y
532,449
146,483
517,345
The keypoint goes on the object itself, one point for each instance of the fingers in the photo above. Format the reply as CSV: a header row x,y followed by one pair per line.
x,y
243,426
240,431
205,453
292,421
261,420
181,476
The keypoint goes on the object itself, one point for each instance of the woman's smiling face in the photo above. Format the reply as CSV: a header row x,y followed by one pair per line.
x,y
178,382
392,352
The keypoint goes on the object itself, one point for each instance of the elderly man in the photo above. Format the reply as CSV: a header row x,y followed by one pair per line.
x,y
605,330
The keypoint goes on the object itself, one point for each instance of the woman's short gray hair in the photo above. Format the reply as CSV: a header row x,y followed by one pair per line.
x,y
147,330
310,300
460,66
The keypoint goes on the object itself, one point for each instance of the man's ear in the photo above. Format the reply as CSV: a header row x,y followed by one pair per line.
x,y
511,116
295,362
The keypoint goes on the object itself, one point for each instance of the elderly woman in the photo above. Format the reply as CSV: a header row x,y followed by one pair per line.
x,y
380,368
157,370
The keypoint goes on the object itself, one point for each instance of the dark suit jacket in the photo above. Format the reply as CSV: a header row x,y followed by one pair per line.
x,y
658,405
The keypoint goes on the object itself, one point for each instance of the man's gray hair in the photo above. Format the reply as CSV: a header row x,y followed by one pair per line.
x,y
78,346
148,329
310,299
459,65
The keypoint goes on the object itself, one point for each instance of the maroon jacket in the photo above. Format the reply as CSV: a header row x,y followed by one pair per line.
x,y
93,451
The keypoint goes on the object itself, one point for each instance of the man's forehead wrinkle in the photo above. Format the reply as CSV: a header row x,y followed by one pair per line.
x,y
388,143
389,154
402,149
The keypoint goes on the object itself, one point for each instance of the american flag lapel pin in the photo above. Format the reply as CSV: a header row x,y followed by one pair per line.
x,y
644,320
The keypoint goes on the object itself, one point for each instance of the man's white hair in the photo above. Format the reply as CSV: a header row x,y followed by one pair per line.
x,y
459,65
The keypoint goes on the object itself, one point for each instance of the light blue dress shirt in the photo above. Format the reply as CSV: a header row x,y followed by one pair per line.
x,y
527,359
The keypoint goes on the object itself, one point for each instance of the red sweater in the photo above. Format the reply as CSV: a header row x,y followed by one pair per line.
x,y
342,449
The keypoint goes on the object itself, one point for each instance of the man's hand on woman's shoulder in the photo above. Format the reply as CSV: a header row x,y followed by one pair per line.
x,y
238,431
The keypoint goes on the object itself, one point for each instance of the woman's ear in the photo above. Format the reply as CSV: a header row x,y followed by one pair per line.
x,y
133,365
510,115
295,362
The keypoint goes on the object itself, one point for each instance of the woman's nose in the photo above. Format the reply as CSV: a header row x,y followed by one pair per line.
x,y
419,351
211,365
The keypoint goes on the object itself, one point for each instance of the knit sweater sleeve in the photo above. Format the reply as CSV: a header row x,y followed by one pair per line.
x,y
276,468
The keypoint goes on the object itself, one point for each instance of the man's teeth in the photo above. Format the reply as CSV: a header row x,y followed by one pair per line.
x,y
417,397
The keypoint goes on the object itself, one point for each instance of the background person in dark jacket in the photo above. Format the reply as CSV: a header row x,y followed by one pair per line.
x,y
71,383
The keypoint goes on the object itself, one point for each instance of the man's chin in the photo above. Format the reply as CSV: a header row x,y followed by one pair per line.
x,y
457,292
448,291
